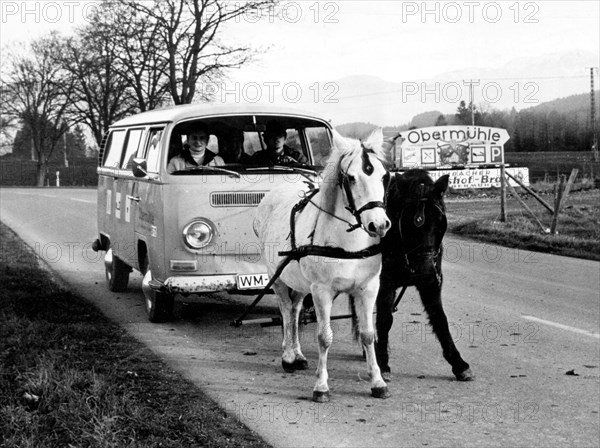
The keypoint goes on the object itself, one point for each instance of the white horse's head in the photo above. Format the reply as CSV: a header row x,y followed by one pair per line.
x,y
363,179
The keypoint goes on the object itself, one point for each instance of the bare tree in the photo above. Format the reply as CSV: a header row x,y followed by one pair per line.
x,y
38,93
192,46
101,95
141,55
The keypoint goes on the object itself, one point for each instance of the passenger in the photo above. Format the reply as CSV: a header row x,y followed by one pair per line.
x,y
195,152
231,147
277,152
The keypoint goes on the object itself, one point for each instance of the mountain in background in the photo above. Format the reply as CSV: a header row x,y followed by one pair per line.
x,y
570,104
521,83
562,124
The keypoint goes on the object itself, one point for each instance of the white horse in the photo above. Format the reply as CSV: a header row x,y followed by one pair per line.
x,y
352,194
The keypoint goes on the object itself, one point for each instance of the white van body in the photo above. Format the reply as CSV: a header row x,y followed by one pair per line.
x,y
191,231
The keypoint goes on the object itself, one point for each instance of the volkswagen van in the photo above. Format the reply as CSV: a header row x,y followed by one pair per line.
x,y
190,231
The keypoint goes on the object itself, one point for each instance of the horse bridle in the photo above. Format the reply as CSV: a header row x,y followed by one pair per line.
x,y
344,184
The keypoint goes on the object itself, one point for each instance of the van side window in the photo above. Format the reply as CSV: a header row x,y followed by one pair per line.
x,y
114,149
133,142
152,152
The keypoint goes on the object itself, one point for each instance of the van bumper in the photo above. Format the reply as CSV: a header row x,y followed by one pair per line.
x,y
198,283
201,283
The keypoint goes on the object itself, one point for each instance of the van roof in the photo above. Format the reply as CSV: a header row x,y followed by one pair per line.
x,y
191,111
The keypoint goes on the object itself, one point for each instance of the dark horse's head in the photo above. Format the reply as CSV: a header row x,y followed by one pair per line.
x,y
416,208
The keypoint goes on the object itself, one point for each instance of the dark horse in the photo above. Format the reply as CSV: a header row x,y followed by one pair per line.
x,y
412,256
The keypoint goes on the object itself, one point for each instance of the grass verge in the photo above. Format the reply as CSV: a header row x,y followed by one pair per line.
x,y
578,226
71,377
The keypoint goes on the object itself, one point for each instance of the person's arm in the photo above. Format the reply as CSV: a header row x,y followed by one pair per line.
x,y
296,156
301,158
175,164
216,161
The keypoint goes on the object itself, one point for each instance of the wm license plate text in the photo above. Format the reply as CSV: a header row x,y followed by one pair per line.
x,y
252,281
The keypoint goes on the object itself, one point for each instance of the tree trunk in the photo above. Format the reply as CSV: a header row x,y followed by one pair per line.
x,y
42,168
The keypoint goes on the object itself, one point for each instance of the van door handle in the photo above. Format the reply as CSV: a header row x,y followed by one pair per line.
x,y
133,198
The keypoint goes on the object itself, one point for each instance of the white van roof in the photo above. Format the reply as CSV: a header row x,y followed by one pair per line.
x,y
201,110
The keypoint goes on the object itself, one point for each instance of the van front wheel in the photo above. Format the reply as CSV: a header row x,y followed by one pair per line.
x,y
159,304
117,272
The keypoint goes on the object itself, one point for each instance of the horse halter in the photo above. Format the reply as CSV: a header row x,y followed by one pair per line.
x,y
344,184
419,217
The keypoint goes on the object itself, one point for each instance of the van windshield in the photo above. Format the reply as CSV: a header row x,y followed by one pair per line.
x,y
249,143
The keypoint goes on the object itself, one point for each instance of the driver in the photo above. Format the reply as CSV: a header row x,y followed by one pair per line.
x,y
276,151
195,152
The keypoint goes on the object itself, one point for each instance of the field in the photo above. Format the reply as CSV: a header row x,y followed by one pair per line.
x,y
547,166
578,227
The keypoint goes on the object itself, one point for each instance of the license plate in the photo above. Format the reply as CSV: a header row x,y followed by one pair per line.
x,y
252,281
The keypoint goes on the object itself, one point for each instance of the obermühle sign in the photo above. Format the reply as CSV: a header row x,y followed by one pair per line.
x,y
452,146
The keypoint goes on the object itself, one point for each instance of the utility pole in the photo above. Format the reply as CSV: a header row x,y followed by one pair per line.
x,y
593,115
471,83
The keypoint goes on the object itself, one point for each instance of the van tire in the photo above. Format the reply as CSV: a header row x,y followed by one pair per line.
x,y
117,275
159,306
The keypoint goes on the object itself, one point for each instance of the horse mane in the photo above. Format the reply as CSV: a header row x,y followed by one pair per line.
x,y
329,186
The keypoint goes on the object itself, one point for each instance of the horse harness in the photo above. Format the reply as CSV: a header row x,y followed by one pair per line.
x,y
296,253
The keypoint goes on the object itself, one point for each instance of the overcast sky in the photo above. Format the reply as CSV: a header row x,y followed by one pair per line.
x,y
398,40
393,40
314,41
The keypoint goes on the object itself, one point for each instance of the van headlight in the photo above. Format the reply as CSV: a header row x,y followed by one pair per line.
x,y
198,233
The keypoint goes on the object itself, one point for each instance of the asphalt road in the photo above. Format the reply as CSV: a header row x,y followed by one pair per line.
x,y
521,319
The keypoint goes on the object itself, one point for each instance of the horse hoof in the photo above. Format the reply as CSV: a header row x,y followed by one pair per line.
x,y
320,397
289,367
300,364
465,375
387,376
380,392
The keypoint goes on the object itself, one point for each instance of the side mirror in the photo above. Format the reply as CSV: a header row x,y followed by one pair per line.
x,y
139,168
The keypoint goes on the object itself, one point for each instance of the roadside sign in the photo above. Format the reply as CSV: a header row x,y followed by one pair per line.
x,y
481,177
451,146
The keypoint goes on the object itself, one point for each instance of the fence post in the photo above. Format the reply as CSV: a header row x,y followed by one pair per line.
x,y
531,192
558,191
502,193
525,206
